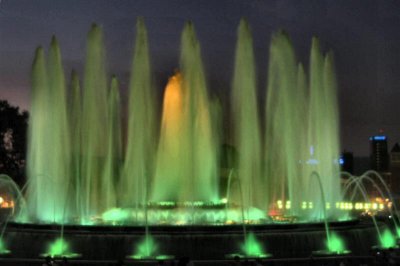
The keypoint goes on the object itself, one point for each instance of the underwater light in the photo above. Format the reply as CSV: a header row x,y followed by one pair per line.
x,y
147,250
387,242
3,250
251,248
335,247
59,249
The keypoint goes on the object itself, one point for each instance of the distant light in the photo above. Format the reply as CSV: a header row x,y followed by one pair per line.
x,y
379,137
1,200
311,150
312,161
341,161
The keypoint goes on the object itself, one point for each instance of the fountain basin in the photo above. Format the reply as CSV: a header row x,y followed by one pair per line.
x,y
195,242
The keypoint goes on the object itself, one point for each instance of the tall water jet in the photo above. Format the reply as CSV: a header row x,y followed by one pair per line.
x,y
75,124
284,123
48,153
60,131
301,127
201,172
139,157
37,153
246,123
195,169
168,170
112,161
95,120
323,136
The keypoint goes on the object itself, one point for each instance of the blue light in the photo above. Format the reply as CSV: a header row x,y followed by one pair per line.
x,y
311,150
379,138
312,161
341,161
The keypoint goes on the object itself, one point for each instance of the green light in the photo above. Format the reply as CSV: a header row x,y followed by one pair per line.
x,y
335,244
3,248
164,257
255,214
60,248
146,248
252,247
387,239
86,222
115,215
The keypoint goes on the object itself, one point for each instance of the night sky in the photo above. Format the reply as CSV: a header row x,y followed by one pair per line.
x,y
364,35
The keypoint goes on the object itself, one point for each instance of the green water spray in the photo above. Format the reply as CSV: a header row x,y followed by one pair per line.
x,y
246,123
139,158
48,148
186,167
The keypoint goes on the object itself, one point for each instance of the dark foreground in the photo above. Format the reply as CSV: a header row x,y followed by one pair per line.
x,y
290,244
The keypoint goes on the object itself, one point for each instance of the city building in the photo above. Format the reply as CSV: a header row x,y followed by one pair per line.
x,y
379,157
379,162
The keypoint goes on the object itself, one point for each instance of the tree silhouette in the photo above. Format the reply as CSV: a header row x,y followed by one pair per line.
x,y
13,141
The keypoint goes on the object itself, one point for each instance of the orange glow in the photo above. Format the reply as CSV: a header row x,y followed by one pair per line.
x,y
4,203
172,107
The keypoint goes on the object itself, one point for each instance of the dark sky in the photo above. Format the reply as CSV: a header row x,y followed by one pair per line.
x,y
364,35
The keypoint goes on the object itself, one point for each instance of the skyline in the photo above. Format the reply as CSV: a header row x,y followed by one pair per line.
x,y
364,38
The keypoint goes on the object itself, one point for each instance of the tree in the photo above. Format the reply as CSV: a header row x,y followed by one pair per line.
x,y
13,141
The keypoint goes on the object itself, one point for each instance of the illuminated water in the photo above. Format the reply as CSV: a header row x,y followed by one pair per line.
x,y
84,168
49,150
246,122
141,136
301,126
186,168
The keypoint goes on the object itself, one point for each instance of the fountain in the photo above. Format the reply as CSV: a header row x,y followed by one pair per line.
x,y
83,173
163,189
